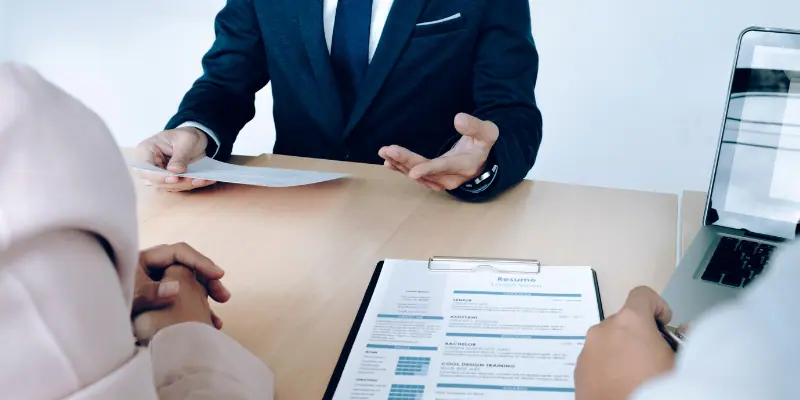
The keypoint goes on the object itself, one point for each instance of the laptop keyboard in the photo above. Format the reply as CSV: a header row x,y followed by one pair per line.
x,y
737,262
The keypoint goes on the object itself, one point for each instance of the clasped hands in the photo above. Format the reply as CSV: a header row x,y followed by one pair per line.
x,y
173,284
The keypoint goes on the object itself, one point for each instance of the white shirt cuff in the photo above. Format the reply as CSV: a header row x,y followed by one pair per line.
x,y
205,129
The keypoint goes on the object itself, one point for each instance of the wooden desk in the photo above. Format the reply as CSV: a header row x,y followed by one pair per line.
x,y
693,205
299,259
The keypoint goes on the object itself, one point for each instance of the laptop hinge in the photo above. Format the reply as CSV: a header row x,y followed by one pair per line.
x,y
761,236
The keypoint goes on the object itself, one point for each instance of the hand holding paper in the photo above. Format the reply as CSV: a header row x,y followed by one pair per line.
x,y
212,170
173,150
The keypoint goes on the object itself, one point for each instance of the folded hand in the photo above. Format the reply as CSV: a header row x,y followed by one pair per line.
x,y
155,290
190,304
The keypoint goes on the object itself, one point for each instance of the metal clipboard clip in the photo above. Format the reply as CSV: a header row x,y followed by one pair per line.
x,y
501,265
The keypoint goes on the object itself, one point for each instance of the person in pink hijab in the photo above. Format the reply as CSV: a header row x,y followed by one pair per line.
x,y
84,314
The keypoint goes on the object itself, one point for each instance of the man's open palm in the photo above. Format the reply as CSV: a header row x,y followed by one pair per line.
x,y
452,169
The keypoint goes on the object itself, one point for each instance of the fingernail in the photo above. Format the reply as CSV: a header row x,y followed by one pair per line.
x,y
217,268
171,179
167,289
462,119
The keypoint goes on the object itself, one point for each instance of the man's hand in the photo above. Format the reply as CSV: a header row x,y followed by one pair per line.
x,y
625,350
173,150
463,162
190,304
154,290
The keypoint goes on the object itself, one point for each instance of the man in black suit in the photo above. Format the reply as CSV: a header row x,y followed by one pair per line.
x,y
439,90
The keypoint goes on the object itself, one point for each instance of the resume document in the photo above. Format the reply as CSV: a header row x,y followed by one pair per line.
x,y
470,335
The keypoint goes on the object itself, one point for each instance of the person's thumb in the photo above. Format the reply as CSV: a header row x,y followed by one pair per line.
x,y
475,128
185,149
179,161
154,295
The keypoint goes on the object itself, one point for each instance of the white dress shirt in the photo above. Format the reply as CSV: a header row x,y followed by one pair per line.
x,y
744,350
380,12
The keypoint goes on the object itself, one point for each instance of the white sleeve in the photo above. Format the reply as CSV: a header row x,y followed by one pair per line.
x,y
68,250
68,264
58,340
746,349
205,129
195,361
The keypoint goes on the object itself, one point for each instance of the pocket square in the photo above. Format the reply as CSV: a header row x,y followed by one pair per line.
x,y
439,21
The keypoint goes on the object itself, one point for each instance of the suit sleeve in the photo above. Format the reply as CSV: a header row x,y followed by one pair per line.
x,y
234,69
505,70
193,361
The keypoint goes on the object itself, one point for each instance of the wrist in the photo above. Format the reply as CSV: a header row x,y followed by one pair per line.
x,y
203,142
484,178
203,137
480,170
211,143
147,325
485,166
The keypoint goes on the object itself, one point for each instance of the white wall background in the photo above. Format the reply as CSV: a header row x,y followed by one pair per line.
x,y
632,91
3,29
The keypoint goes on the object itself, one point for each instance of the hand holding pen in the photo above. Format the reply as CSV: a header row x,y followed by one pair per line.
x,y
626,349
673,336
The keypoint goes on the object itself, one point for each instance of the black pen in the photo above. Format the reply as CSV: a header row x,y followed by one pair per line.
x,y
672,336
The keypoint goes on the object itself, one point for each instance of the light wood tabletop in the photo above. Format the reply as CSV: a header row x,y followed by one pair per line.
x,y
693,205
299,259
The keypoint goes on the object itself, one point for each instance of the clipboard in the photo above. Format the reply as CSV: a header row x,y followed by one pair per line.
x,y
470,264
498,265
438,264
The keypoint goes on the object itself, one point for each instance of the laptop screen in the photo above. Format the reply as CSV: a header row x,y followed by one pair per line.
x,y
757,177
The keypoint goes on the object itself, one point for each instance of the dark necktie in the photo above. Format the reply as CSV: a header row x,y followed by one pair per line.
x,y
350,48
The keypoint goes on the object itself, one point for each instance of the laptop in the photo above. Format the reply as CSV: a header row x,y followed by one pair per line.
x,y
753,202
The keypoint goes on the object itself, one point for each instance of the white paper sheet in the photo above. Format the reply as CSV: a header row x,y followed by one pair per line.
x,y
466,335
210,169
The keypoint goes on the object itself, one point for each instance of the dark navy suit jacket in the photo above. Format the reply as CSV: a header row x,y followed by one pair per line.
x,y
484,63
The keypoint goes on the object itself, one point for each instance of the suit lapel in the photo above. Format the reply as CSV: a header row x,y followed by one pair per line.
x,y
326,97
396,33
